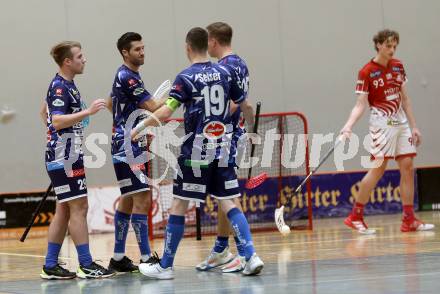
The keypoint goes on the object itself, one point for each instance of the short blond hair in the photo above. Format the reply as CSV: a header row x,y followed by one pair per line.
x,y
63,50
220,31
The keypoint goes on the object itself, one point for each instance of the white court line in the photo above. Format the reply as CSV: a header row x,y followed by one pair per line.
x,y
359,237
316,282
31,255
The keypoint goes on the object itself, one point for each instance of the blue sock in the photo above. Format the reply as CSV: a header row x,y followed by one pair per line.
x,y
122,222
240,246
53,250
220,244
173,235
242,231
84,256
139,222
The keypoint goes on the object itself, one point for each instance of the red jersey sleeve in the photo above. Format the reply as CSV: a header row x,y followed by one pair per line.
x,y
363,83
404,78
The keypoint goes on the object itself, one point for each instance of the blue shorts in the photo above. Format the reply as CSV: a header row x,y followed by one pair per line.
x,y
129,182
219,182
131,178
67,185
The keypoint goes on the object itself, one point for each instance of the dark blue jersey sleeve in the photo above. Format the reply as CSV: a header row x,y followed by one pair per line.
x,y
135,89
237,92
179,90
58,100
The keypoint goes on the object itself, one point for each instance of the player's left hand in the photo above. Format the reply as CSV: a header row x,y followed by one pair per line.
x,y
416,136
134,135
137,136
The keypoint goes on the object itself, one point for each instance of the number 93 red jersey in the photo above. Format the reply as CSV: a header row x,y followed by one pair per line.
x,y
383,86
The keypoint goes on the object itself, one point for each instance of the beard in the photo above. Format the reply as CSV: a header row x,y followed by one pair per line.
x,y
137,61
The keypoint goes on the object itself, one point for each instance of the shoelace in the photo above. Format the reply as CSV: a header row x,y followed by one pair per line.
x,y
98,266
154,258
126,260
59,265
212,255
360,224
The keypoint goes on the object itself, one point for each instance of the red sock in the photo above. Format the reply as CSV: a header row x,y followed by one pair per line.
x,y
408,213
358,210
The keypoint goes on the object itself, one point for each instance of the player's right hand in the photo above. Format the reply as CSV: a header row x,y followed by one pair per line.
x,y
254,138
96,106
345,133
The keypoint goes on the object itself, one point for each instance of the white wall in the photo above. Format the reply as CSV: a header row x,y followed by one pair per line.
x,y
303,56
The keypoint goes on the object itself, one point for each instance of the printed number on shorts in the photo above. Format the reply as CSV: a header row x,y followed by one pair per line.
x,y
214,100
142,178
82,184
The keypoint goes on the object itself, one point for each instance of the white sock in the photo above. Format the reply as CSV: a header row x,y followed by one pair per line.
x,y
145,257
118,256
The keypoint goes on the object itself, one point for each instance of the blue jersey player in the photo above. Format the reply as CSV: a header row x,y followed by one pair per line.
x,y
64,164
129,95
205,89
219,46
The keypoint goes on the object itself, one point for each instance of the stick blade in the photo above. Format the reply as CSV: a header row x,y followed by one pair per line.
x,y
279,221
256,181
162,89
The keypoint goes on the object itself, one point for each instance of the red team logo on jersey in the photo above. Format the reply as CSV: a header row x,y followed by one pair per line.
x,y
59,92
177,88
214,130
132,82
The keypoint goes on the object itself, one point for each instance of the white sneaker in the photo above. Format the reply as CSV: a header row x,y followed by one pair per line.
x,y
415,226
155,271
235,265
359,225
253,266
215,259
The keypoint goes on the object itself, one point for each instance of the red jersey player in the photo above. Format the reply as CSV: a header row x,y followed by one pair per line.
x,y
381,85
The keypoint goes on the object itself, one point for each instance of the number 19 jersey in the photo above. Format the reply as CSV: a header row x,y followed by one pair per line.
x,y
205,89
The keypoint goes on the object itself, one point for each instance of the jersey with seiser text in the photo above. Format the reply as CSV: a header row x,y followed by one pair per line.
x,y
205,90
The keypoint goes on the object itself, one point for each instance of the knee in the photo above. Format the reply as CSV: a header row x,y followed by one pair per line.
x,y
407,171
406,167
179,206
141,204
238,203
226,205
62,211
125,204
79,207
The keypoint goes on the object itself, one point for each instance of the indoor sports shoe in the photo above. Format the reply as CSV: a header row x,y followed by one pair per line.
x,y
125,265
359,225
152,259
253,266
154,270
94,271
234,266
415,226
56,273
215,259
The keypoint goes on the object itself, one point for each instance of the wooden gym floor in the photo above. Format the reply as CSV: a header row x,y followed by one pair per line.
x,y
331,259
